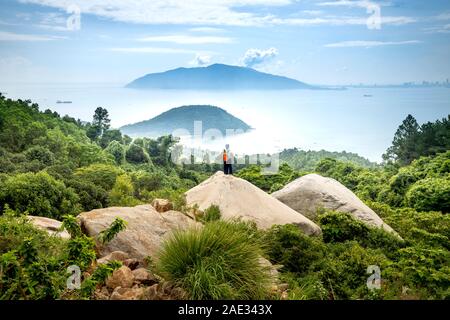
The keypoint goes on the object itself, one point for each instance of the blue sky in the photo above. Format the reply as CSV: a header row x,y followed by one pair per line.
x,y
316,41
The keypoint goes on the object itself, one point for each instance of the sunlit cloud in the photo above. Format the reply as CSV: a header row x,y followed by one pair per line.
x,y
201,60
255,57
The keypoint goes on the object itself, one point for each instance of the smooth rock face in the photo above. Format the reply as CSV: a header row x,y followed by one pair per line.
x,y
50,225
311,192
239,198
162,205
145,231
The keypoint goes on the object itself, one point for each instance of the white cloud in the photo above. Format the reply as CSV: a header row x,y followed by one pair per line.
x,y
369,44
207,30
11,36
53,21
205,12
185,39
255,57
353,3
443,16
155,50
208,12
201,60
312,12
438,29
342,21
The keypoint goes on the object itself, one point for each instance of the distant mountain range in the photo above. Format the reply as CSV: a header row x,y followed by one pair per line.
x,y
216,77
183,118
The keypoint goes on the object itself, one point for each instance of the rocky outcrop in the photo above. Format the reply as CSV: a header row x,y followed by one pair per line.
x,y
162,205
53,227
309,193
146,228
122,277
238,198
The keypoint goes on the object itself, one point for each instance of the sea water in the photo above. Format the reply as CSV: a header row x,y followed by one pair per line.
x,y
360,120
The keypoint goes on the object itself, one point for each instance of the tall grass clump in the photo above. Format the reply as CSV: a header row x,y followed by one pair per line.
x,y
212,213
219,261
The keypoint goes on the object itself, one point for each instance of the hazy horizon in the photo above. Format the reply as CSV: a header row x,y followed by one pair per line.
x,y
314,41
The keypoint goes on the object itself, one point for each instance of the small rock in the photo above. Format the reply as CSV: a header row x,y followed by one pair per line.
x,y
143,276
151,293
122,277
132,263
102,294
164,291
115,255
162,205
127,293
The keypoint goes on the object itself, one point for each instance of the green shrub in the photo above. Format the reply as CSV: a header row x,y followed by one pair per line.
x,y
108,234
343,272
122,194
117,150
39,194
340,227
91,195
431,194
219,261
29,261
41,154
102,175
212,213
136,154
288,246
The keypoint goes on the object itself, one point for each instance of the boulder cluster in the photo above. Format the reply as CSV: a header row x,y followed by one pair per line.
x,y
149,225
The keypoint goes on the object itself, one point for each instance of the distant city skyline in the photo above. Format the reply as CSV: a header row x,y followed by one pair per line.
x,y
327,42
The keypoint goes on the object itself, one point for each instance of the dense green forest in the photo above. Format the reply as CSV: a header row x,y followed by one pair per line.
x,y
56,166
307,160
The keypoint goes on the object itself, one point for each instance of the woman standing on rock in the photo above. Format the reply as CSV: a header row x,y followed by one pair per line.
x,y
225,165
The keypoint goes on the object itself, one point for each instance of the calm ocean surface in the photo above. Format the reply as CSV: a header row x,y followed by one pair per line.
x,y
307,119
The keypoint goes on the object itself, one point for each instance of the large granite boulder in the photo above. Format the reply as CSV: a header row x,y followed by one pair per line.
x,y
309,193
238,198
53,227
146,228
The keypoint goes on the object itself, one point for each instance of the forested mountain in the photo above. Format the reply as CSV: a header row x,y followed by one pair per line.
x,y
184,118
216,77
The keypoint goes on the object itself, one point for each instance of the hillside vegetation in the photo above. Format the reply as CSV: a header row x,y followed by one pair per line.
x,y
184,117
57,167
